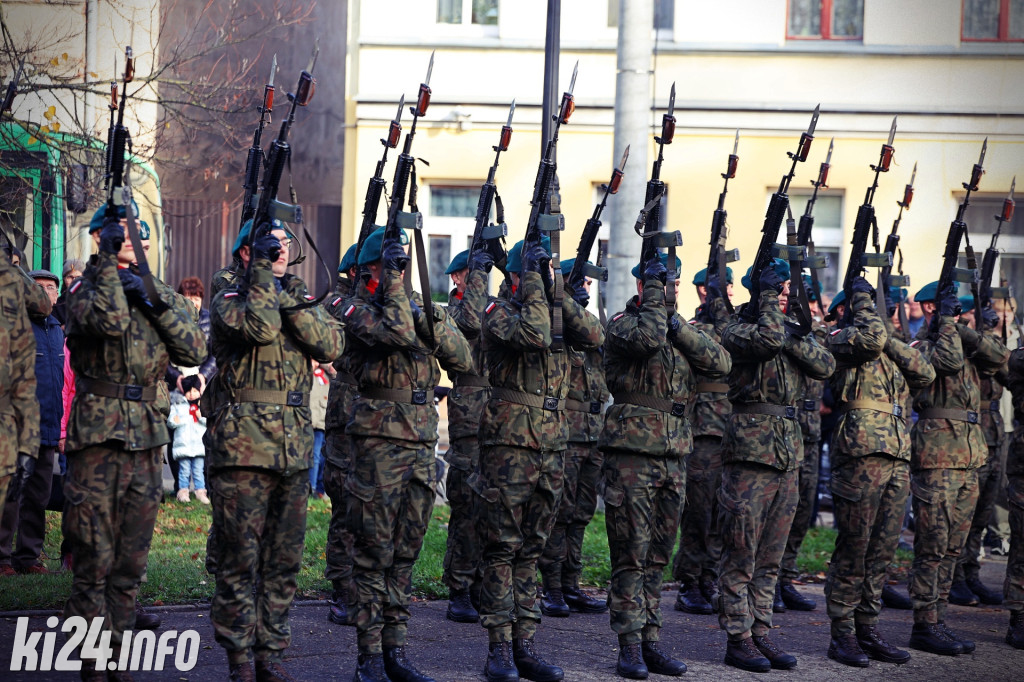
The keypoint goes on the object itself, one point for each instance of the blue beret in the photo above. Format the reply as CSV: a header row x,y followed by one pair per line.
x,y
664,261
815,292
374,244
702,275
966,304
460,262
348,261
515,254
101,213
929,292
839,299
781,267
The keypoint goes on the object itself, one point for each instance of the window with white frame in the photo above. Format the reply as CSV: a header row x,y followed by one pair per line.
x,y
664,16
825,19
469,13
449,217
981,224
827,233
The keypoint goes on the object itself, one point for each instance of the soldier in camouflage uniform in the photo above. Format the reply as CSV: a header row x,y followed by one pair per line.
x,y
651,358
561,564
465,405
389,489
759,479
120,345
1013,587
338,452
259,445
948,447
523,436
700,544
870,456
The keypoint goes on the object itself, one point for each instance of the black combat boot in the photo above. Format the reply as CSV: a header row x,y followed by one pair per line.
x,y
659,663
460,607
271,671
795,601
968,645
778,606
986,595
872,643
961,595
581,602
709,590
894,599
499,666
691,600
370,669
631,662
241,672
846,650
930,637
145,621
399,668
745,656
553,604
1015,635
339,604
530,664
779,659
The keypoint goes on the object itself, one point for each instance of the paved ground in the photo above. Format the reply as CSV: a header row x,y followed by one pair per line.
x,y
585,646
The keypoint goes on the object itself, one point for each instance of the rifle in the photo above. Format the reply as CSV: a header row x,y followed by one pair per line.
x,y
862,227
886,280
796,254
719,257
544,216
602,256
648,223
377,184
255,157
413,220
580,267
804,238
988,262
774,216
485,235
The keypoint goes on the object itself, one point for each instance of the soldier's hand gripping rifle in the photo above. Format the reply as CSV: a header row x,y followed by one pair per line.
x,y
544,218
719,258
487,235
254,160
375,188
950,273
648,222
862,228
580,267
988,261
773,218
887,280
805,238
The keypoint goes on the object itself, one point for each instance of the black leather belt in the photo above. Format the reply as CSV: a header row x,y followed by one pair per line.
x,y
644,400
969,416
287,398
784,411
109,389
417,396
523,398
593,407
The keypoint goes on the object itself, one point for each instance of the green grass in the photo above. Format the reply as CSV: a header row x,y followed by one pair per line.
x,y
177,574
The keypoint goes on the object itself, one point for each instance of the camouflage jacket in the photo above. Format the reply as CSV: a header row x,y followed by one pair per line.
x,y
112,341
768,369
341,394
588,392
19,408
872,364
389,352
640,360
466,401
941,443
262,343
517,340
809,404
226,278
1015,382
711,409
991,393
215,395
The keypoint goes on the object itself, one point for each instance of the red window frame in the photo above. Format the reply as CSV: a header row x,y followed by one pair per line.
x,y
1004,27
826,25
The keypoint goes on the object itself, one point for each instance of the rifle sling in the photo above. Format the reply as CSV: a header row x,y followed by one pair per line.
x,y
557,339
421,266
140,254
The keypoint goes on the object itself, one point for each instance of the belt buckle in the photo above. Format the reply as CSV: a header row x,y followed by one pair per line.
x,y
790,412
810,405
595,407
897,410
972,417
294,399
419,396
993,406
551,404
132,392
678,409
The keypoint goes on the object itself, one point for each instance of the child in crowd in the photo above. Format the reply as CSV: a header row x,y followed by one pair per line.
x,y
187,448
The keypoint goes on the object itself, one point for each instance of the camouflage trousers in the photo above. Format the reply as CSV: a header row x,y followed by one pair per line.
x,y
337,462
261,516
1013,588
756,508
990,477
112,498
807,495
462,552
944,501
700,543
519,493
643,496
389,494
4,482
561,564
869,495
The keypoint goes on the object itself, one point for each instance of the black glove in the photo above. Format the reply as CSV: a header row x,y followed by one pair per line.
x,y
655,269
25,468
134,290
535,259
772,280
111,236
480,259
580,294
267,247
393,256
862,286
949,304
890,306
674,325
714,288
990,317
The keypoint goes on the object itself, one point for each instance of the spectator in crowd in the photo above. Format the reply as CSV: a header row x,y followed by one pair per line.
x,y
72,270
188,425
318,410
915,317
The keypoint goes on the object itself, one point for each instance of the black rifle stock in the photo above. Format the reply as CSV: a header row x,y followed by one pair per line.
x,y
887,280
804,232
719,258
988,263
254,159
580,267
487,235
375,188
